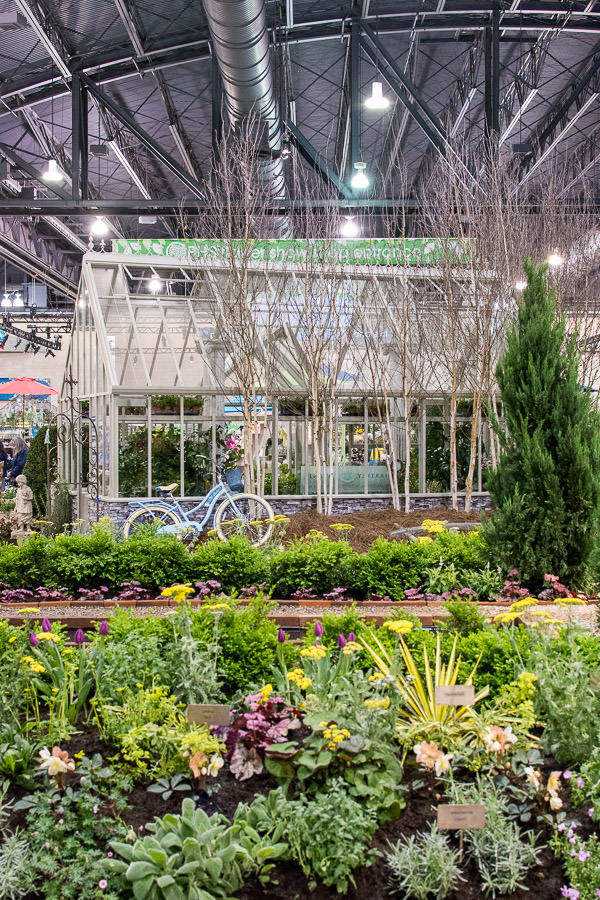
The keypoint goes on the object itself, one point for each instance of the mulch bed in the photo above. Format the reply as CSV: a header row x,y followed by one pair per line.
x,y
372,523
287,881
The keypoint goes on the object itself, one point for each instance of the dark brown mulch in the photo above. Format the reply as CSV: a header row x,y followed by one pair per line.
x,y
370,524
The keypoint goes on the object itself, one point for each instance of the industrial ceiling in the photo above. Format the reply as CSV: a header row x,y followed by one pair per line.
x,y
129,97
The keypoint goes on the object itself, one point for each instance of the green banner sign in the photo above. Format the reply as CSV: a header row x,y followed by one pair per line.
x,y
370,252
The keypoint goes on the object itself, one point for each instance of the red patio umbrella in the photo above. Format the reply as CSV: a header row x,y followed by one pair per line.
x,y
27,386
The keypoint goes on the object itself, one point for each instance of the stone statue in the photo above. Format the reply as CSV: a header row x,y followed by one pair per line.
x,y
22,514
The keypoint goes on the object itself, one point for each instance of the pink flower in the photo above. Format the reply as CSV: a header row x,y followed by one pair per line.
x,y
591,812
95,809
103,883
109,853
61,821
583,855
580,783
570,893
567,774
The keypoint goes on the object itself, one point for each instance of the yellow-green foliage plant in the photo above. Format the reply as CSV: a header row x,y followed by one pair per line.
x,y
421,717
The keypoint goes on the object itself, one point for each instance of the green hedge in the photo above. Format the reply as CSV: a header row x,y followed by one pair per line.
x,y
102,557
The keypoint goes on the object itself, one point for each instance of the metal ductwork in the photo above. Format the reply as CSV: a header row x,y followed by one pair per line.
x,y
240,41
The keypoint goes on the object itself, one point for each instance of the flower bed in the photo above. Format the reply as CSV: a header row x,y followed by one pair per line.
x,y
329,775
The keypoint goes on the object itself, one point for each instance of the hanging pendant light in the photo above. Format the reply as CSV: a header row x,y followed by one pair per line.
x,y
6,301
360,179
99,227
52,175
349,229
155,284
377,100
18,300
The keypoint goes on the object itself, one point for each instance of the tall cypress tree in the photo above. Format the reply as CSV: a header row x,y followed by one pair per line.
x,y
546,488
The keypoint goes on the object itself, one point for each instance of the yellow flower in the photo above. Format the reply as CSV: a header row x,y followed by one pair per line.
x,y
376,676
506,617
266,692
12,639
399,626
69,650
526,601
27,609
424,539
574,601
213,606
318,651
434,526
298,677
27,659
541,612
79,755
350,648
322,724
178,591
342,526
382,703
48,636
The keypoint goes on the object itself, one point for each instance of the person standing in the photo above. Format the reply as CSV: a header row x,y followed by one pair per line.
x,y
4,462
20,451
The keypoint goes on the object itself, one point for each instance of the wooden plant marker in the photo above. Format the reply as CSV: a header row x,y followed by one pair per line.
x,y
212,714
458,816
454,695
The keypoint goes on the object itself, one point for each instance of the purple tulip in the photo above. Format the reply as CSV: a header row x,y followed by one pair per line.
x,y
318,630
33,639
46,625
281,636
79,637
352,637
341,641
103,630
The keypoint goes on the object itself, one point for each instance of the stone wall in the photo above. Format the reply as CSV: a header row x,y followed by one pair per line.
x,y
118,510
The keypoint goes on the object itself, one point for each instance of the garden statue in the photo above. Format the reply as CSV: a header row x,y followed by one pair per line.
x,y
22,514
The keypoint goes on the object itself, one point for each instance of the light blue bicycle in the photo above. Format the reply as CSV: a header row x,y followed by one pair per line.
x,y
245,514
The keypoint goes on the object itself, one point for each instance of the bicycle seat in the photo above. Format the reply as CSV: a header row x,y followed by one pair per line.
x,y
167,488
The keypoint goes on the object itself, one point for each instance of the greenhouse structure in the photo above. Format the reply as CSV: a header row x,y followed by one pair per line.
x,y
154,358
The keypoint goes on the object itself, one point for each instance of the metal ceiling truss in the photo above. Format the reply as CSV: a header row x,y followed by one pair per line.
x,y
21,244
316,159
112,65
582,93
143,137
459,104
524,87
47,33
585,157
414,102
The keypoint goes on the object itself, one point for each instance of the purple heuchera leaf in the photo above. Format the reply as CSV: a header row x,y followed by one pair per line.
x,y
281,636
341,640
103,630
33,639
318,629
79,636
46,625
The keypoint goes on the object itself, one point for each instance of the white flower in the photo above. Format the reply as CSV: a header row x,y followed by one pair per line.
x,y
215,765
56,762
555,803
442,764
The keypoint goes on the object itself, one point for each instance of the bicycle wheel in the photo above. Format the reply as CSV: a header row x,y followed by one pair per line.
x,y
245,514
148,515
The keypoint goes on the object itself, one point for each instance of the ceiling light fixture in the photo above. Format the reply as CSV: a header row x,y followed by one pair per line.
x,y
18,300
286,150
377,100
555,260
349,229
360,179
155,284
52,175
99,227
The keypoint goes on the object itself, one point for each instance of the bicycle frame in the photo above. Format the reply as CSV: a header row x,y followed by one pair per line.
x,y
216,494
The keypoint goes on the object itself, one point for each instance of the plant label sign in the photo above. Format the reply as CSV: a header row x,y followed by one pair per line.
x,y
459,816
208,714
454,694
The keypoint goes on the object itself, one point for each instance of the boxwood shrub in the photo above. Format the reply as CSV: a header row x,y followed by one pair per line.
x,y
319,565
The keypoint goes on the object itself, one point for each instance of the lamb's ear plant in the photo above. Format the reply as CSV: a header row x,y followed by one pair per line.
x,y
194,855
423,866
15,871
196,675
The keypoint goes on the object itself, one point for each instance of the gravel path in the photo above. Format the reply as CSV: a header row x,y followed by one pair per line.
x,y
586,616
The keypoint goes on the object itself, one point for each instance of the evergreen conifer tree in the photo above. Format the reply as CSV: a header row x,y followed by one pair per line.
x,y
546,488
